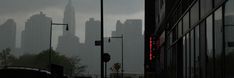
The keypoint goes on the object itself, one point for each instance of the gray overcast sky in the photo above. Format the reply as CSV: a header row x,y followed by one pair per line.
x,y
21,10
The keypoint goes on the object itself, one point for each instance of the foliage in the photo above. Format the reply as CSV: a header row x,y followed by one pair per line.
x,y
6,58
116,67
71,65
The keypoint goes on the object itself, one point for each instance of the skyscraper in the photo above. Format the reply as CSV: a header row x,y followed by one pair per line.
x,y
68,43
8,34
133,45
69,18
92,33
36,37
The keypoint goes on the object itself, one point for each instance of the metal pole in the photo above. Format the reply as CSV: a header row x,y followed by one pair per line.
x,y
50,49
102,42
105,70
122,55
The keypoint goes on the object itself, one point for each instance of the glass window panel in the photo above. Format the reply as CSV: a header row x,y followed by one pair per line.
x,y
203,49
218,39
169,57
180,29
194,13
209,37
174,61
188,55
217,2
206,6
184,58
229,39
186,23
174,34
197,53
192,53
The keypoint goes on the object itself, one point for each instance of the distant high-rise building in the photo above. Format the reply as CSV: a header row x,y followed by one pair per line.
x,y
8,35
133,45
69,18
92,33
36,37
68,43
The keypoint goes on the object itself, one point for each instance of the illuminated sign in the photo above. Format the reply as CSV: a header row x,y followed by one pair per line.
x,y
151,48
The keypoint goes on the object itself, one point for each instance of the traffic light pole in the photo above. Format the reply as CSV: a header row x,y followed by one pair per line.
x,y
50,44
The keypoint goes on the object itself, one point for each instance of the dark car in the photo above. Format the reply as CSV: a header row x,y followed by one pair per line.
x,y
22,72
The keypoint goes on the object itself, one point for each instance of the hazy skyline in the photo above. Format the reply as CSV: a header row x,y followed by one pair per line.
x,y
21,10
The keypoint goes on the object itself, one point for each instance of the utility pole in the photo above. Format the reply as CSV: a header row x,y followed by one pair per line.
x,y
102,41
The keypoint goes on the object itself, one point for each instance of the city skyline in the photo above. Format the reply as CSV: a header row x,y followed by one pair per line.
x,y
85,9
84,30
130,28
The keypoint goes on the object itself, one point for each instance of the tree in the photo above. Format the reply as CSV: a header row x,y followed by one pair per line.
x,y
6,58
71,65
115,68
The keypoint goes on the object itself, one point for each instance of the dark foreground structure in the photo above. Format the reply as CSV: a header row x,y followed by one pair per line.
x,y
56,71
190,39
23,73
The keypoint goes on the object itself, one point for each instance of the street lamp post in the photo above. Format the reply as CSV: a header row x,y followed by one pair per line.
x,y
102,39
51,24
121,37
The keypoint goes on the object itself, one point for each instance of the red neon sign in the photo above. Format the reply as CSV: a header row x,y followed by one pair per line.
x,y
151,47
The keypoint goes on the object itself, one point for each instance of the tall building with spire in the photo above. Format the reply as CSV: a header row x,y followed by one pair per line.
x,y
68,43
69,18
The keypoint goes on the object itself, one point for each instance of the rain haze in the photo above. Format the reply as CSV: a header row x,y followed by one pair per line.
x,y
128,13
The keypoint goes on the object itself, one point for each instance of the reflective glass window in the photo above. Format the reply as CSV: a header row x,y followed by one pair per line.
x,y
180,29
194,13
203,49
206,6
192,53
229,39
184,57
197,53
188,55
218,41
209,38
186,23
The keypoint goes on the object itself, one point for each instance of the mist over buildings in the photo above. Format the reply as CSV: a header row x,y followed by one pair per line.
x,y
35,38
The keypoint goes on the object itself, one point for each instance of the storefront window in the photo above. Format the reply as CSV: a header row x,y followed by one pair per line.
x,y
184,58
218,39
192,53
206,6
217,2
186,23
203,49
180,29
194,13
188,55
197,53
229,38
209,39
174,34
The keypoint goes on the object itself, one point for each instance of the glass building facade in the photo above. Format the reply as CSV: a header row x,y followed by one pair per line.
x,y
199,40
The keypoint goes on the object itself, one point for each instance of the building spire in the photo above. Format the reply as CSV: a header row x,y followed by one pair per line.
x,y
69,18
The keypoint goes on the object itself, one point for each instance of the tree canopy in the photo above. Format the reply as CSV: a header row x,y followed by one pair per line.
x,y
72,66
